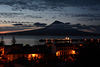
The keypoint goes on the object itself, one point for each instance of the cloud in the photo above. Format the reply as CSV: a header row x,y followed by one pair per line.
x,y
45,4
75,2
89,19
13,28
40,24
93,8
85,15
10,15
31,16
9,29
89,28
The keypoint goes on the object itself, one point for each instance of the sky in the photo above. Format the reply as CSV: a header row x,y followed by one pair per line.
x,y
47,11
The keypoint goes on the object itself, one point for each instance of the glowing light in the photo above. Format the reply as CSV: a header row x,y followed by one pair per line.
x,y
51,40
98,40
73,52
84,39
0,57
48,45
70,39
80,45
29,57
91,40
2,49
34,55
57,53
67,38
3,32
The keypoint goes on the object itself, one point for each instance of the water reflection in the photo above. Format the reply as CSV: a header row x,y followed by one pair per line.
x,y
34,40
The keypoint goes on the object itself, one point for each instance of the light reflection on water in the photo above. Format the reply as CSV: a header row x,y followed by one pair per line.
x,y
34,40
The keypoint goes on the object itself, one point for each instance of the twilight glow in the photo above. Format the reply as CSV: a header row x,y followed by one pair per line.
x,y
44,11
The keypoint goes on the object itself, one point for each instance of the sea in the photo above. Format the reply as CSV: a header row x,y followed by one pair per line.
x,y
34,40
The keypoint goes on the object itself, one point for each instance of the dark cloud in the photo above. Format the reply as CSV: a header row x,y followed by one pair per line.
x,y
13,15
55,5
13,28
30,16
45,4
18,24
89,19
75,2
96,8
88,28
15,22
10,15
85,15
40,24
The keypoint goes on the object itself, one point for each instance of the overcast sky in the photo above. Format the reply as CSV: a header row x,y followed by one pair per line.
x,y
47,11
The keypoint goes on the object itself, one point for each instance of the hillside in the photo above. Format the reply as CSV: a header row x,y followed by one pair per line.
x,y
56,28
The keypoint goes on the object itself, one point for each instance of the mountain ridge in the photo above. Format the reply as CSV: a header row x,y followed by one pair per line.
x,y
56,28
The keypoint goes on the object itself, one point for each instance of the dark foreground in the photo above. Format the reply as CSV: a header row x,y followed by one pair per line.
x,y
52,54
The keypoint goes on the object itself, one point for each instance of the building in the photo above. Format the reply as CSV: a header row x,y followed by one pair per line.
x,y
29,56
66,51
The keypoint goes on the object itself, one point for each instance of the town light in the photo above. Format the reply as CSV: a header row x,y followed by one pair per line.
x,y
98,40
57,53
73,52
80,44
34,55
85,39
0,57
67,38
91,40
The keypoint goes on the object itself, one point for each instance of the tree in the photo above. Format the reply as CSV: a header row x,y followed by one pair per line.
x,y
2,41
13,40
